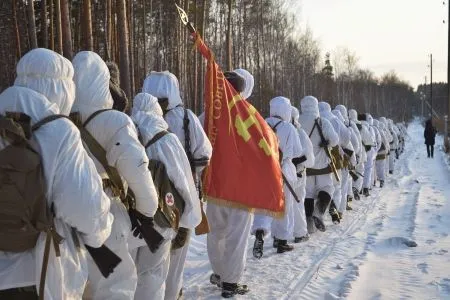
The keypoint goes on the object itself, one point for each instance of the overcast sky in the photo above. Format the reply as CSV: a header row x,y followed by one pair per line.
x,y
384,34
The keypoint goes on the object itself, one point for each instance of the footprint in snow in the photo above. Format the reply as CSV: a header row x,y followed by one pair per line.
x,y
395,243
430,242
442,252
423,267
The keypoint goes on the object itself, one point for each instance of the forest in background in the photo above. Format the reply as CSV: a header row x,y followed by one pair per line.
x,y
262,36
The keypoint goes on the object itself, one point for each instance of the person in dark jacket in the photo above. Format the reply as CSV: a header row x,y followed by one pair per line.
x,y
429,134
119,97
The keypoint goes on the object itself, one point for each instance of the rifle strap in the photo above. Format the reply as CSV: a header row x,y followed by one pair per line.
x,y
89,119
312,130
47,120
100,154
274,128
156,138
187,139
290,188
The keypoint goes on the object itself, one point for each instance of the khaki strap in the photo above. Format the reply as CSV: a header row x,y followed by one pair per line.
x,y
381,156
89,119
157,136
47,120
100,154
51,235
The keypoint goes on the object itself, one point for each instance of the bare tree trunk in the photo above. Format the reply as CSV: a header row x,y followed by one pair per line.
x,y
87,26
229,41
108,29
144,29
66,30
52,24
44,29
59,47
131,45
16,30
123,46
31,24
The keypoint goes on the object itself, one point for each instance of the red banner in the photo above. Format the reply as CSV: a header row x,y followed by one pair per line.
x,y
244,170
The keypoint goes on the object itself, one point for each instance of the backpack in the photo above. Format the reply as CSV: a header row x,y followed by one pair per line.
x,y
171,204
24,213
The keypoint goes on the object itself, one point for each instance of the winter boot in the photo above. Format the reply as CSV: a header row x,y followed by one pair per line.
x,y
259,244
309,210
381,183
323,200
366,192
215,279
356,194
310,225
301,239
392,172
275,242
334,213
231,289
284,247
349,203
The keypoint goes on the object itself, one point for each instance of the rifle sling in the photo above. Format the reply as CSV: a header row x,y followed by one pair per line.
x,y
157,136
290,188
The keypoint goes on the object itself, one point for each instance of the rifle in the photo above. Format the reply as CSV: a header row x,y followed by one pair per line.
x,y
203,227
150,235
105,259
327,150
353,174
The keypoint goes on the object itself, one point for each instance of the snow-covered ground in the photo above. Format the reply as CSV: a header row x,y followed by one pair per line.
x,y
366,256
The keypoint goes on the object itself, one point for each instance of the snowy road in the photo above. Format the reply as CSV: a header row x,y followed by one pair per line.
x,y
365,256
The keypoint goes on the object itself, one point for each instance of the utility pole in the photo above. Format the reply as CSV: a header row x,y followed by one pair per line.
x,y
424,96
431,86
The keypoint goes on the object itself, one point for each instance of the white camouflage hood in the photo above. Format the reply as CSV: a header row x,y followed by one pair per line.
x,y
249,82
92,84
163,85
310,106
49,74
281,107
148,115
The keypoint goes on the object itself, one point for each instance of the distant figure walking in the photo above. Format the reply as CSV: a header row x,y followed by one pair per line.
x,y
429,134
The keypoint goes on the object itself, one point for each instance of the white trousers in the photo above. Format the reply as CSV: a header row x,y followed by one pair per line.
x,y
300,227
359,183
337,195
152,270
392,160
319,183
344,190
121,284
368,168
227,241
381,169
174,281
282,228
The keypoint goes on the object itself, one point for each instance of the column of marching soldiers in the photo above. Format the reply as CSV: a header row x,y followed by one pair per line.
x,y
77,173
